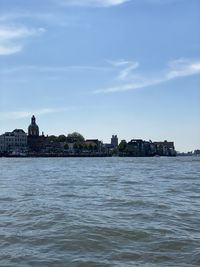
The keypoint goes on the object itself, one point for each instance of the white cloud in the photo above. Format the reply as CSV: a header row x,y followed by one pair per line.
x,y
126,72
12,38
51,69
128,67
183,67
19,15
161,2
26,114
56,18
129,81
94,3
118,63
9,49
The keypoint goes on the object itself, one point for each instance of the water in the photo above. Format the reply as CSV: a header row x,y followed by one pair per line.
x,y
89,212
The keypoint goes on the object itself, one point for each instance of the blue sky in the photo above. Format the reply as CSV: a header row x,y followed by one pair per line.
x,y
102,67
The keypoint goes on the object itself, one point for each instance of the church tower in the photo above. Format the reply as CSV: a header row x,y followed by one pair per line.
x,y
33,129
114,141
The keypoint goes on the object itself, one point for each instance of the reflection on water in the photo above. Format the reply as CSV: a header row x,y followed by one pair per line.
x,y
100,212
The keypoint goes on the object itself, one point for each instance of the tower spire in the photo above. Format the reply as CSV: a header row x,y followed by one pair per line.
x,y
33,129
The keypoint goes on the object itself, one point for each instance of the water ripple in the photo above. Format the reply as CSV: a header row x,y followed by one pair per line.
x,y
100,212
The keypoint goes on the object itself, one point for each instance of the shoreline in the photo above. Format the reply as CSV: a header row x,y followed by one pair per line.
x,y
80,156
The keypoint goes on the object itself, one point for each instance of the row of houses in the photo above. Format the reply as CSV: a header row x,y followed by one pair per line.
x,y
18,142
141,148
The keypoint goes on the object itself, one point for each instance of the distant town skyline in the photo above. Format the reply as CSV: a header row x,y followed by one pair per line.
x,y
102,67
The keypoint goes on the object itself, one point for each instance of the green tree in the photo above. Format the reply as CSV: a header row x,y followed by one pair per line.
x,y
122,146
62,138
80,147
75,137
85,147
52,138
90,147
66,146
75,146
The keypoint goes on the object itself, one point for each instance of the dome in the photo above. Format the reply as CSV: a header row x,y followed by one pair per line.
x,y
33,129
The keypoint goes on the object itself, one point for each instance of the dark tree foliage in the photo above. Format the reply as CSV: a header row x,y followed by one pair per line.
x,y
75,137
122,146
52,138
62,138
66,146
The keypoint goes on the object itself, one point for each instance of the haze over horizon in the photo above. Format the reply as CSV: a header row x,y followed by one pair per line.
x,y
102,67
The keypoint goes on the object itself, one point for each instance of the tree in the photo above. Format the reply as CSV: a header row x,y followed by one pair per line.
x,y
122,146
75,146
85,147
62,138
66,146
80,147
75,137
90,147
52,138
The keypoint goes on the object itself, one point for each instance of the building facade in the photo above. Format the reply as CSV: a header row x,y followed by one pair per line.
x,y
114,141
141,148
165,148
36,142
15,141
33,129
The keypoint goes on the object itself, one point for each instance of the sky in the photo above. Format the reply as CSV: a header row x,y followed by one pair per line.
x,y
102,67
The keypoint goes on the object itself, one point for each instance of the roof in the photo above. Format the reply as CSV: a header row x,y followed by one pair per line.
x,y
18,131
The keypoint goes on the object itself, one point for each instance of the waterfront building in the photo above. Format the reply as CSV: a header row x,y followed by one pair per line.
x,y
114,141
112,147
36,142
165,148
140,148
15,141
70,147
197,152
33,129
94,143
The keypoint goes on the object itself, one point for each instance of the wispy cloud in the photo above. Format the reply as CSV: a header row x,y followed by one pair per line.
x,y
119,63
127,67
22,114
46,18
161,2
93,3
132,81
20,15
12,38
52,69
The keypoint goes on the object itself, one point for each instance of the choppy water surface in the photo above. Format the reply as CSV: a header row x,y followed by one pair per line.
x,y
100,212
